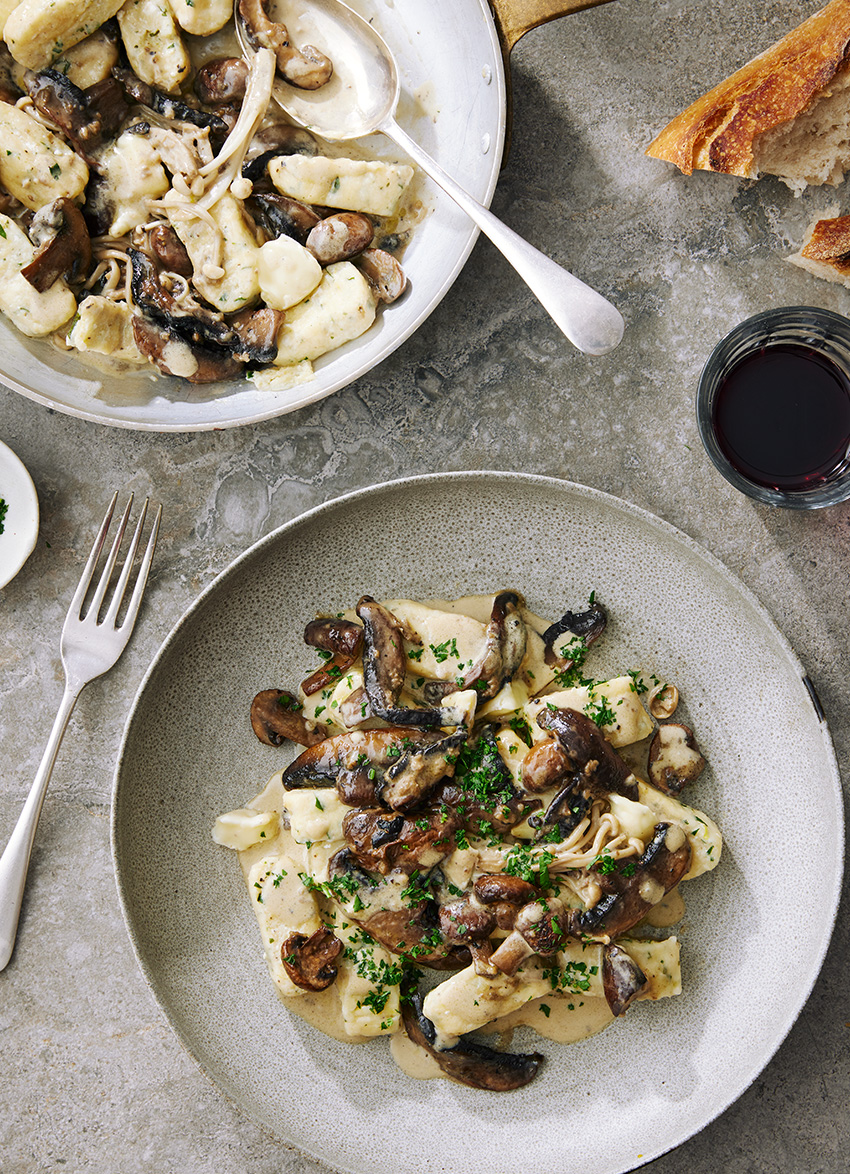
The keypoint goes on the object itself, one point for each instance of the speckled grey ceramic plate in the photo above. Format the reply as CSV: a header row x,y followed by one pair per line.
x,y
751,950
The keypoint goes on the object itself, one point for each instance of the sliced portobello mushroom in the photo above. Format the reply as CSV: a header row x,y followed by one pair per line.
x,y
504,647
63,245
197,326
468,1062
167,106
355,762
173,355
280,215
412,931
385,665
382,841
276,717
58,99
414,775
566,811
604,770
587,625
622,978
631,888
482,792
343,639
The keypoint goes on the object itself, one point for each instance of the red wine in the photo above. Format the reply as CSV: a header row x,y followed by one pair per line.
x,y
782,417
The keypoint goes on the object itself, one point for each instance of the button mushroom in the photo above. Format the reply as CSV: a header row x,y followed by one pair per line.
x,y
604,770
544,766
276,717
468,1062
674,758
257,332
384,273
309,961
63,246
221,81
308,69
467,922
169,250
340,237
541,927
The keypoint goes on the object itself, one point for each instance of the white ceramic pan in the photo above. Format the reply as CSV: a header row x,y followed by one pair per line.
x,y
451,56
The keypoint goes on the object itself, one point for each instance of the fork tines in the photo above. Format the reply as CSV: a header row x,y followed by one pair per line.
x,y
92,612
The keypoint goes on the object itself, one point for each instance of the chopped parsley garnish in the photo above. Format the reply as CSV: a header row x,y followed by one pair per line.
x,y
4,505
575,976
416,890
604,862
482,775
521,728
445,650
529,864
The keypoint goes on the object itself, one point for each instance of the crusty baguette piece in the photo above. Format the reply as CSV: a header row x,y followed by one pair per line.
x,y
785,113
826,250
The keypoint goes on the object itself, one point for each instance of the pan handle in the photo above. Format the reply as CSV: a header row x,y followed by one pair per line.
x,y
514,18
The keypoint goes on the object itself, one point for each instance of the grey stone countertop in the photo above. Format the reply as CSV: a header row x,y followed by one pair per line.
x,y
92,1078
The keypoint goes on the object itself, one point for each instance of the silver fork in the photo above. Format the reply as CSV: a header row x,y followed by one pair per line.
x,y
90,645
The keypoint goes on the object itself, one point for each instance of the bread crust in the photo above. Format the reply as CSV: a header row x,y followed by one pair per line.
x,y
717,132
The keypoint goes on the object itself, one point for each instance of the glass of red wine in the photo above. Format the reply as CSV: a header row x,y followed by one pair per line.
x,y
773,407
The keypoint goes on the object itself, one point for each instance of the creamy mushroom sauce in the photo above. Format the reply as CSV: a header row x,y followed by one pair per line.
x,y
560,995
133,164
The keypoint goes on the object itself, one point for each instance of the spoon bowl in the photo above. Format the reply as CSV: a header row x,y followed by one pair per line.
x,y
363,92
362,98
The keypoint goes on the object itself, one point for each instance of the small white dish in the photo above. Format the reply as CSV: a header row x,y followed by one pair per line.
x,y
20,523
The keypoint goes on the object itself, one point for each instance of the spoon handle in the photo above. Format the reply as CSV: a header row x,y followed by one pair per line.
x,y
590,322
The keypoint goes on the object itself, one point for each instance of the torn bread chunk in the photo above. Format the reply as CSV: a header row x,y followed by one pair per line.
x,y
785,113
826,250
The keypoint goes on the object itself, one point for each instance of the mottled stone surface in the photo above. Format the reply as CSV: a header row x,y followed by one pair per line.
x,y
92,1078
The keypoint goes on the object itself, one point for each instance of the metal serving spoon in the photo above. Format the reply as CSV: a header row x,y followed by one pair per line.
x,y
362,98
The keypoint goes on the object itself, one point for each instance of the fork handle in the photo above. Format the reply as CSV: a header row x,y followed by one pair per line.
x,y
16,856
